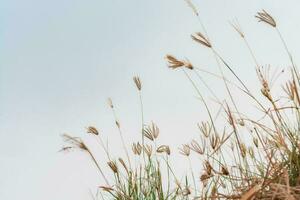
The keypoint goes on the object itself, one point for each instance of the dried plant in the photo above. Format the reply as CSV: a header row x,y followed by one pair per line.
x,y
151,132
92,130
174,63
265,17
163,149
200,38
243,157
137,82
185,150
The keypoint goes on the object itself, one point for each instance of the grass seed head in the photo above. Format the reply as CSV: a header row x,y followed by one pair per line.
x,y
204,128
265,17
192,6
148,150
124,165
196,147
236,26
214,141
92,130
185,150
137,82
137,148
151,132
200,38
163,149
113,166
110,103
106,188
174,63
255,142
75,142
224,171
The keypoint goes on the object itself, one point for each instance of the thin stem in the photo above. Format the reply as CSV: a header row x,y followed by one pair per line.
x,y
142,115
97,165
121,136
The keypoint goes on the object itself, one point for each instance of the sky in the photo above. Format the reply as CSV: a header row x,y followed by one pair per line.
x,y
60,60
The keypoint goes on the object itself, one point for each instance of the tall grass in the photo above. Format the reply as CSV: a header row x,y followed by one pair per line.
x,y
264,164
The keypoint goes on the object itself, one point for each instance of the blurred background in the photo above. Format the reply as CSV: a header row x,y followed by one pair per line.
x,y
60,60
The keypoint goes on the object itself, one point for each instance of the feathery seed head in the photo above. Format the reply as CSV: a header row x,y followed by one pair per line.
x,y
214,141
113,166
265,17
124,165
243,150
224,171
163,149
137,82
204,128
185,150
137,148
92,130
106,188
174,63
151,132
237,28
75,142
196,147
255,142
118,124
148,150
110,103
191,5
200,38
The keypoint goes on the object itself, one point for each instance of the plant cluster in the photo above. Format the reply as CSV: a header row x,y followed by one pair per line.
x,y
268,167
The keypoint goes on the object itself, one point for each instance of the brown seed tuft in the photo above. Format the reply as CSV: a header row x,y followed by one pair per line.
x,y
113,166
185,150
110,103
151,132
124,165
137,82
236,26
199,37
263,16
164,149
196,147
224,171
174,63
137,148
106,188
148,150
92,130
75,142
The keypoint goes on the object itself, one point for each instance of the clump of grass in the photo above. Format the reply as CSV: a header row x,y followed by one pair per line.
x,y
245,158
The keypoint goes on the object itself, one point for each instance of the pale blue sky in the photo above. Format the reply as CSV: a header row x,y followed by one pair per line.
x,y
61,59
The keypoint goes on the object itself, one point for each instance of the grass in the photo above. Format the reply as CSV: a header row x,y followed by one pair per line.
x,y
264,164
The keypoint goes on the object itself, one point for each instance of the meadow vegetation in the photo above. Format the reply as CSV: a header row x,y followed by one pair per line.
x,y
263,165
